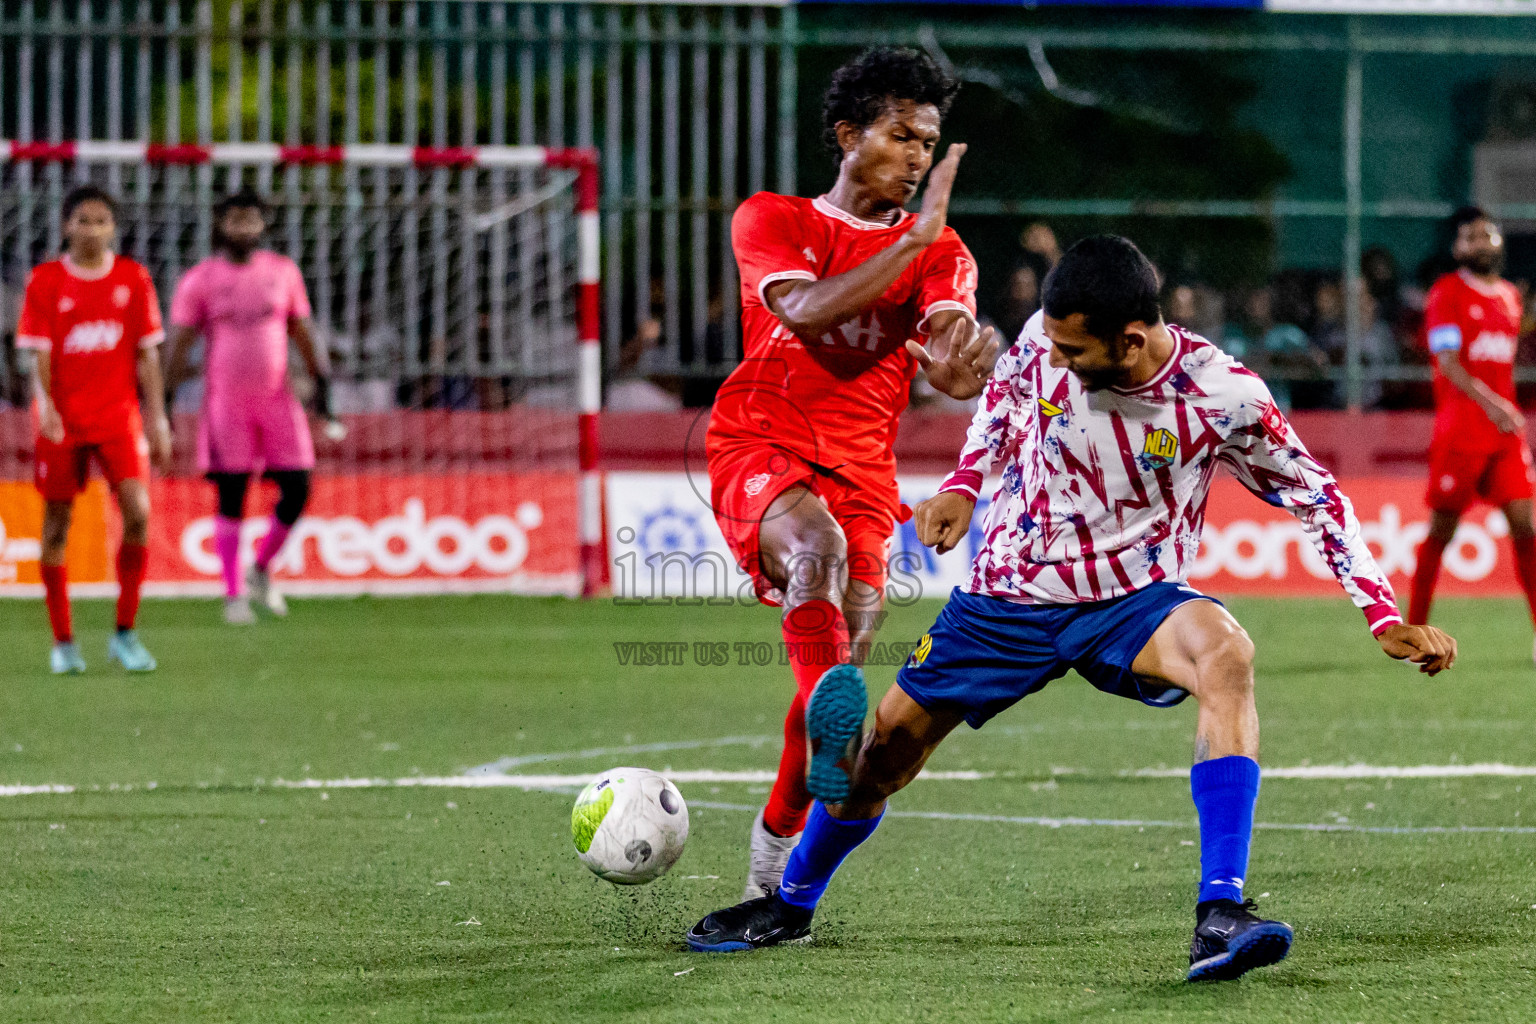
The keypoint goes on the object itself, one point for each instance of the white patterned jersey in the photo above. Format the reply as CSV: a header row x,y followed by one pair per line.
x,y
1103,492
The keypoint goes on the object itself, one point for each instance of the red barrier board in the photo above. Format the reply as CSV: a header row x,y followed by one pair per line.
x,y
1250,547
421,533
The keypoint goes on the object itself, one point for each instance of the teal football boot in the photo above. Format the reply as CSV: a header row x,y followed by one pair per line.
x,y
65,659
128,650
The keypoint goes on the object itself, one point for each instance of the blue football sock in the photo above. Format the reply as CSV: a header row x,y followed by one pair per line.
x,y
1225,791
822,847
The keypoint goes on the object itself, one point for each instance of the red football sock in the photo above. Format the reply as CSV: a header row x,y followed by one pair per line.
x,y
1525,568
56,595
1424,577
816,638
130,578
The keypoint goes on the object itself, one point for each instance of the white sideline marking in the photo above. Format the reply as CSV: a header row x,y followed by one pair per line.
x,y
1369,771
566,782
1007,819
500,766
489,781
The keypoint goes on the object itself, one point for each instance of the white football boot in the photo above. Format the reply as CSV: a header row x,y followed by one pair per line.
x,y
770,853
237,611
264,592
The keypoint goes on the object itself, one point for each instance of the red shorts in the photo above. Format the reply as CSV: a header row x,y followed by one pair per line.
x,y
745,479
60,470
1458,476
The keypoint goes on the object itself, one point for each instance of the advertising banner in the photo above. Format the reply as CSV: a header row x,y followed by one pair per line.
x,y
416,533
664,544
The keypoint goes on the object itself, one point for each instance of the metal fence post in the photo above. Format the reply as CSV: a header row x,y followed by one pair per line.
x,y
1353,102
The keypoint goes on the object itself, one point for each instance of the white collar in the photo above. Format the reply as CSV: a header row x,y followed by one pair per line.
x,y
1493,291
824,207
75,270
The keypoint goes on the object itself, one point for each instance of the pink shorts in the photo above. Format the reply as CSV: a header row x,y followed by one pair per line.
x,y
252,437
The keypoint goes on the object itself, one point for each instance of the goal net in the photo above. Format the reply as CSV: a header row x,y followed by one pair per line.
x,y
449,289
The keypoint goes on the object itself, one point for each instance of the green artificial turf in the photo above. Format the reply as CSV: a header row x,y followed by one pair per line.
x,y
181,882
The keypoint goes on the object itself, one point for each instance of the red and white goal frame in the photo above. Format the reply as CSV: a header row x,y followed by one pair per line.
x,y
583,162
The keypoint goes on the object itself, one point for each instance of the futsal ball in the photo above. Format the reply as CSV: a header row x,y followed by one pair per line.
x,y
629,825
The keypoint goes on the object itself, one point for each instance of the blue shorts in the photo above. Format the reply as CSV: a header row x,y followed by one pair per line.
x,y
985,653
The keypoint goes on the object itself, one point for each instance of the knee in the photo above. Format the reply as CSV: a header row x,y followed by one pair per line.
x,y
56,519
135,520
1225,669
818,555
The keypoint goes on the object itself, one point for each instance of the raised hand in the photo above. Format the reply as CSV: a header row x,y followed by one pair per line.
x,y
1433,650
960,358
943,519
925,230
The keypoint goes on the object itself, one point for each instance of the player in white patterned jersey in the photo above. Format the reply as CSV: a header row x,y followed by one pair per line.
x,y
1103,489
1107,425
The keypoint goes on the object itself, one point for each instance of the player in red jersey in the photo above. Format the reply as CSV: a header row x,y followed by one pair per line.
x,y
838,295
93,321
1472,321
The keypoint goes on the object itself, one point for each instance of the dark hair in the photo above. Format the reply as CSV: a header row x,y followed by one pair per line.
x,y
87,194
244,199
1109,280
1465,215
862,88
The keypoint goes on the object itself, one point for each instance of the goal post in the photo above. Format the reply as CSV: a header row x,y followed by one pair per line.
x,y
484,259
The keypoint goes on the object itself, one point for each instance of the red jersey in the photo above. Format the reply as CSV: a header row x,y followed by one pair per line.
x,y
840,405
93,326
1482,323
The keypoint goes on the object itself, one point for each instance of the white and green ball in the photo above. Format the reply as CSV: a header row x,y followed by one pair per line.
x,y
629,825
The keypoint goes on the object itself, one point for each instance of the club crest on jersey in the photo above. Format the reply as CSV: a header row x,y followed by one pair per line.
x,y
920,652
120,296
755,484
1160,449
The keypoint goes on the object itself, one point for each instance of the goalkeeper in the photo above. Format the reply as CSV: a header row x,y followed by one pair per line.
x,y
247,302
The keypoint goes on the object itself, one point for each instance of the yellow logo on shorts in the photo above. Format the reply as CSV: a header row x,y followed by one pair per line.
x,y
921,652
1160,449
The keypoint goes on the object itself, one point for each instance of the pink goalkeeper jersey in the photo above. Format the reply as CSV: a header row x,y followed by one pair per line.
x,y
1103,492
242,311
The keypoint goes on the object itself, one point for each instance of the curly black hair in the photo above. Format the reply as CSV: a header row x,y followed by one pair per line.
x,y
862,88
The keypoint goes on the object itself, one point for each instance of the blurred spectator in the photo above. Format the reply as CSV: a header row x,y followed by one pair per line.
x,y
636,386
1278,349
368,364
1379,350
1199,308
1039,239
1020,296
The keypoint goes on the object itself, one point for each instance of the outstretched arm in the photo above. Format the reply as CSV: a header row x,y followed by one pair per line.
x,y
812,308
1269,459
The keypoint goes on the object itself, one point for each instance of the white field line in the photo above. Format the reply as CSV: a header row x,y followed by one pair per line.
x,y
564,783
1008,819
1368,771
484,778
501,765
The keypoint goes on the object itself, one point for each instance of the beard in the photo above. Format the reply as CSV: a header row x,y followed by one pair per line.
x,y
1101,380
1484,262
